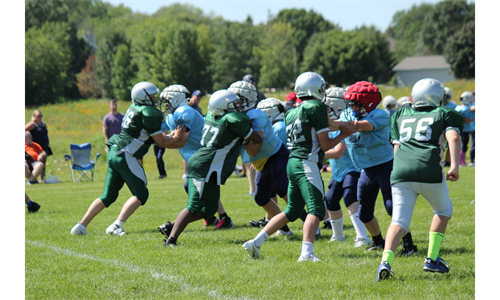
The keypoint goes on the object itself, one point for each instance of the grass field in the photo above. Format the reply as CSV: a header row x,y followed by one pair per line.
x,y
207,263
213,264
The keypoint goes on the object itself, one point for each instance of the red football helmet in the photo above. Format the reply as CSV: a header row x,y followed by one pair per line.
x,y
365,94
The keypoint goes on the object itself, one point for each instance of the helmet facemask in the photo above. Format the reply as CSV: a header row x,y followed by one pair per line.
x,y
361,112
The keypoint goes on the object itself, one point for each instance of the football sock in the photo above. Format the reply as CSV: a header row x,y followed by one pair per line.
x,y
307,248
285,228
379,240
407,240
261,238
435,240
359,226
29,203
338,227
387,256
223,216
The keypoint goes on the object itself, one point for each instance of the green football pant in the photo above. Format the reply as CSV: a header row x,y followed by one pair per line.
x,y
124,168
305,188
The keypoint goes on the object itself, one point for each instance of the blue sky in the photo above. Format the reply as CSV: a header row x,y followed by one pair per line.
x,y
347,14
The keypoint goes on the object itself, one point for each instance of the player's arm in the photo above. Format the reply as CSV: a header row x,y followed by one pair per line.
x,y
252,147
179,143
326,143
454,144
336,152
363,125
396,147
163,141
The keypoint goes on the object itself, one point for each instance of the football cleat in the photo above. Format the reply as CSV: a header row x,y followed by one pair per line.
x,y
374,247
384,271
439,265
115,229
227,223
34,207
166,229
79,229
252,250
309,257
408,250
333,239
169,242
282,232
327,224
361,242
210,222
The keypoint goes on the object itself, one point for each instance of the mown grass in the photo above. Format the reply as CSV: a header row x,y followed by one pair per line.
x,y
213,264
208,263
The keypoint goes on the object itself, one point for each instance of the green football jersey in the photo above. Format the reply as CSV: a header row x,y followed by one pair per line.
x,y
140,122
420,135
221,141
303,124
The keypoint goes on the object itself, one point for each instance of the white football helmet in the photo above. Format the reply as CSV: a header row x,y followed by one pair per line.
x,y
222,102
334,100
246,92
143,93
310,84
273,108
467,98
389,100
404,102
427,92
174,96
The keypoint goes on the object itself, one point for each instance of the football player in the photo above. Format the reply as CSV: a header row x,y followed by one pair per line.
x,y
372,152
269,158
224,131
141,127
275,111
403,102
344,181
175,99
389,104
464,109
420,133
307,129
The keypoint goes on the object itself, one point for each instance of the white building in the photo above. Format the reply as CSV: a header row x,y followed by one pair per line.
x,y
412,69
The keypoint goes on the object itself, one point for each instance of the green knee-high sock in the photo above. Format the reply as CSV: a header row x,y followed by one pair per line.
x,y
387,256
435,240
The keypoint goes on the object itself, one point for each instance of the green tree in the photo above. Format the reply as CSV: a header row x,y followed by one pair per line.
x,y
305,25
122,72
47,61
108,45
233,53
460,51
447,18
407,28
343,58
276,56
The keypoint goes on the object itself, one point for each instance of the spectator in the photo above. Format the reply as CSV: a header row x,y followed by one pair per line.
x,y
195,101
39,133
112,122
28,163
31,205
251,79
159,153
35,151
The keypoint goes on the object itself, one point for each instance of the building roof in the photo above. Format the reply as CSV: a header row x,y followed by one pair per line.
x,y
422,62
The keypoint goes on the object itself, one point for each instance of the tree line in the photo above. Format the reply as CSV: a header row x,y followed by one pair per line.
x,y
179,44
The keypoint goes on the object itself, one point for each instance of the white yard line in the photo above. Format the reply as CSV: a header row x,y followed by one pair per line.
x,y
136,269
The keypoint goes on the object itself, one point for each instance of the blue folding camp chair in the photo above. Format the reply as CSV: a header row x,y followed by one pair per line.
x,y
80,161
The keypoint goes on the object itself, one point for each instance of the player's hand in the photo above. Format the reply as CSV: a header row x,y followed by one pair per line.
x,y
452,174
179,131
347,128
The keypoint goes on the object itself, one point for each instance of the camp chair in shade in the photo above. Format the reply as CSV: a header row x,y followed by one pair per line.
x,y
80,161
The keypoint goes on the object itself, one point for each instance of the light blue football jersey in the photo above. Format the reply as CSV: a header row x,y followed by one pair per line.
x,y
186,115
280,131
464,110
271,143
370,148
343,165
